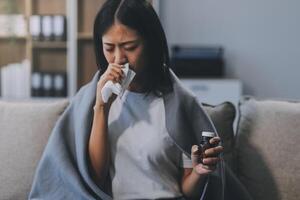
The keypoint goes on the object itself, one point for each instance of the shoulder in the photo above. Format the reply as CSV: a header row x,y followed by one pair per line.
x,y
87,92
180,91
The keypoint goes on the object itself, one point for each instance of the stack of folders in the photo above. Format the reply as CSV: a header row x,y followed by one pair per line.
x,y
48,27
12,25
15,80
48,84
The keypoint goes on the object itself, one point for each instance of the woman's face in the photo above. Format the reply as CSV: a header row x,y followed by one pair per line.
x,y
121,45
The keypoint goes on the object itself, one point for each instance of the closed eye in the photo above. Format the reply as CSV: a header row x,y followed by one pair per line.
x,y
109,49
130,48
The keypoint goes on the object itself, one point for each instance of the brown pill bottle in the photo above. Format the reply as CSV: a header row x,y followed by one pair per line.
x,y
206,136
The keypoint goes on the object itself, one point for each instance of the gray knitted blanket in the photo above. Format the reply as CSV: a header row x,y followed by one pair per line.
x,y
63,171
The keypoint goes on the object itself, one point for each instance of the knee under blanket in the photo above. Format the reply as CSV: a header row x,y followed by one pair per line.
x,y
63,171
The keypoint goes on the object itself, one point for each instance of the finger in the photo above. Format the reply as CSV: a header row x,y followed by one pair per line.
x,y
215,141
112,78
204,169
114,65
215,151
196,150
119,71
209,167
195,155
117,76
211,161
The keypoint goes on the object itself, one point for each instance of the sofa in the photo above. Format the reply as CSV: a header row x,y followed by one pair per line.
x,y
263,152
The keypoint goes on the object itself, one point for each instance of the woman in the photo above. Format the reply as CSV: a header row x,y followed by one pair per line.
x,y
129,140
137,146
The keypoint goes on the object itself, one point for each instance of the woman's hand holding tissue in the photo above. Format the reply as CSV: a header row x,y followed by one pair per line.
x,y
113,73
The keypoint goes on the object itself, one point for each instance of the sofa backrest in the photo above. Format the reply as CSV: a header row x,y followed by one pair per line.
x,y
267,147
24,131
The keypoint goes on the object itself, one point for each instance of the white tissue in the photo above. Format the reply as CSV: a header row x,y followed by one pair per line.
x,y
109,88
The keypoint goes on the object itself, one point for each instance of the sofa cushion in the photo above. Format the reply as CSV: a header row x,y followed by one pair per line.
x,y
223,116
25,128
268,148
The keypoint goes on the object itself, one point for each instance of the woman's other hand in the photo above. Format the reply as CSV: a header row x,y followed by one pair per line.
x,y
205,161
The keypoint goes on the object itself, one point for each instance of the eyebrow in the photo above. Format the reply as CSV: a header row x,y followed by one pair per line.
x,y
123,43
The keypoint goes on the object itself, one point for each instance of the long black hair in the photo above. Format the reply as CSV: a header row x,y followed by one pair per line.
x,y
140,16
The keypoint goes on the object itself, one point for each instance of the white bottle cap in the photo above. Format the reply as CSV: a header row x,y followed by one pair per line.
x,y
208,134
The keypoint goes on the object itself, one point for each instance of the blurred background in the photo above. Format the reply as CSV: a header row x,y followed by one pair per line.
x,y
260,39
221,50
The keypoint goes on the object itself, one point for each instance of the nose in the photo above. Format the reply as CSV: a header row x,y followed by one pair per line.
x,y
120,57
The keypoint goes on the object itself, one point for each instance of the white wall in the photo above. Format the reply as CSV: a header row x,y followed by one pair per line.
x,y
261,39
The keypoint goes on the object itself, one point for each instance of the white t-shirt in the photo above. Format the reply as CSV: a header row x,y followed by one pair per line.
x,y
146,164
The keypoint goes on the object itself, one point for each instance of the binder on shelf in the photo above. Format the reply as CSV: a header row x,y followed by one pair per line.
x,y
35,23
60,83
59,27
36,84
49,84
47,27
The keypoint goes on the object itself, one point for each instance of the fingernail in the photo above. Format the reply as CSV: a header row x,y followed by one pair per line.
x,y
195,148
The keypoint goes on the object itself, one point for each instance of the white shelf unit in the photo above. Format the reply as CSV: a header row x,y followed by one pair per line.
x,y
79,36
72,28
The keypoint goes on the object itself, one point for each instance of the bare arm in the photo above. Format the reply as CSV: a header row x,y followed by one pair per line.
x,y
193,183
194,179
98,147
